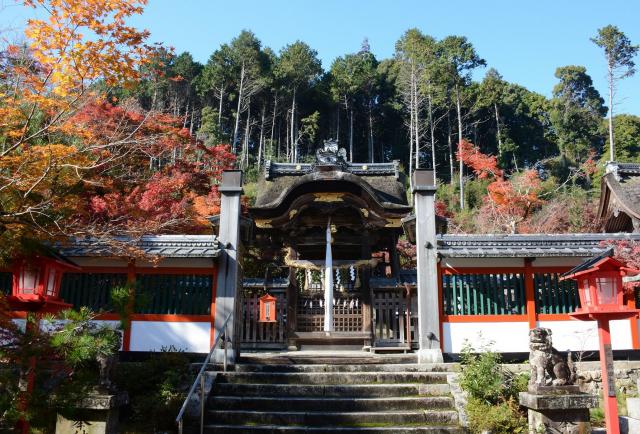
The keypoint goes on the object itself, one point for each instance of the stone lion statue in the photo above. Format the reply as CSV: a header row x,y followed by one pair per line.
x,y
548,366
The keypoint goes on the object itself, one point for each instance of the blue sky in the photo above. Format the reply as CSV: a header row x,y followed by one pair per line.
x,y
524,40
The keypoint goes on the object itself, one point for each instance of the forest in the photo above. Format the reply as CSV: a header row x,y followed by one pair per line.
x,y
417,107
109,135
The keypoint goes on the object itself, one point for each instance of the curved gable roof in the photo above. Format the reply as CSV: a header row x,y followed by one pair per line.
x,y
384,188
620,191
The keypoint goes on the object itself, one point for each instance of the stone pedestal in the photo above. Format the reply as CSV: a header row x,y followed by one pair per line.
x,y
631,424
558,409
96,414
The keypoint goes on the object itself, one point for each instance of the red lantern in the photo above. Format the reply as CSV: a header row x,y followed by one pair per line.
x,y
602,299
268,308
36,284
600,289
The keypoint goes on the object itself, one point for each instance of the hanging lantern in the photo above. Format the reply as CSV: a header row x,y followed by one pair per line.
x,y
267,308
36,284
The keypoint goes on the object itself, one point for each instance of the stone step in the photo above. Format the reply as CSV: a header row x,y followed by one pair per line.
x,y
320,359
344,391
323,418
372,367
327,378
275,429
330,404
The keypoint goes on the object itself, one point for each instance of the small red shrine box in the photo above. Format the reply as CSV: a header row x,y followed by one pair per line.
x,y
267,308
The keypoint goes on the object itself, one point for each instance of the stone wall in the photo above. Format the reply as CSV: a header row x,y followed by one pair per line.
x,y
590,379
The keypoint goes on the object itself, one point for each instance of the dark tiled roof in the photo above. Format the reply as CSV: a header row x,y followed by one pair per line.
x,y
383,180
526,246
620,194
275,170
167,246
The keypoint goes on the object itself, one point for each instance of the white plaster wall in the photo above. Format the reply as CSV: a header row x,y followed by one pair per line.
x,y
85,261
185,336
503,336
557,262
22,323
583,335
482,262
179,263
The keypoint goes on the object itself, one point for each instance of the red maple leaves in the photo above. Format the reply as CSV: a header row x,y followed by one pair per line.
x,y
164,181
509,201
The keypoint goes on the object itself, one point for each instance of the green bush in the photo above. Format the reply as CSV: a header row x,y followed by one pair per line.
x,y
492,392
502,418
157,388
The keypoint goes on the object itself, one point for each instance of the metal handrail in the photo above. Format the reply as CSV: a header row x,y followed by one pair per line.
x,y
200,379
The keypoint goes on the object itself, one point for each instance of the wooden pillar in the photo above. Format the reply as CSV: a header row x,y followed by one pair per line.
x,y
395,260
131,283
441,304
292,306
367,305
529,292
633,323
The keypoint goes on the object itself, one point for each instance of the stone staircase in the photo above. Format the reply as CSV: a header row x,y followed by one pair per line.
x,y
332,395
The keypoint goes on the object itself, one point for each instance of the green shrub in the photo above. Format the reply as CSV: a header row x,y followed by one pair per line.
x,y
502,418
482,377
156,387
492,392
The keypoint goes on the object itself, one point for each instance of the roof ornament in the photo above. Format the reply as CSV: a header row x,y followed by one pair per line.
x,y
331,155
612,167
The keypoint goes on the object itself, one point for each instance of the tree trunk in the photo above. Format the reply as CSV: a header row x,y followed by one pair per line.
x,y
411,128
451,177
294,145
612,155
371,158
186,116
245,145
237,126
191,121
351,134
338,123
261,141
461,165
220,108
287,137
416,124
432,130
498,133
273,122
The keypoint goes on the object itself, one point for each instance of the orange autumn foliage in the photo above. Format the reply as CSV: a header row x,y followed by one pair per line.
x,y
483,165
509,201
51,162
